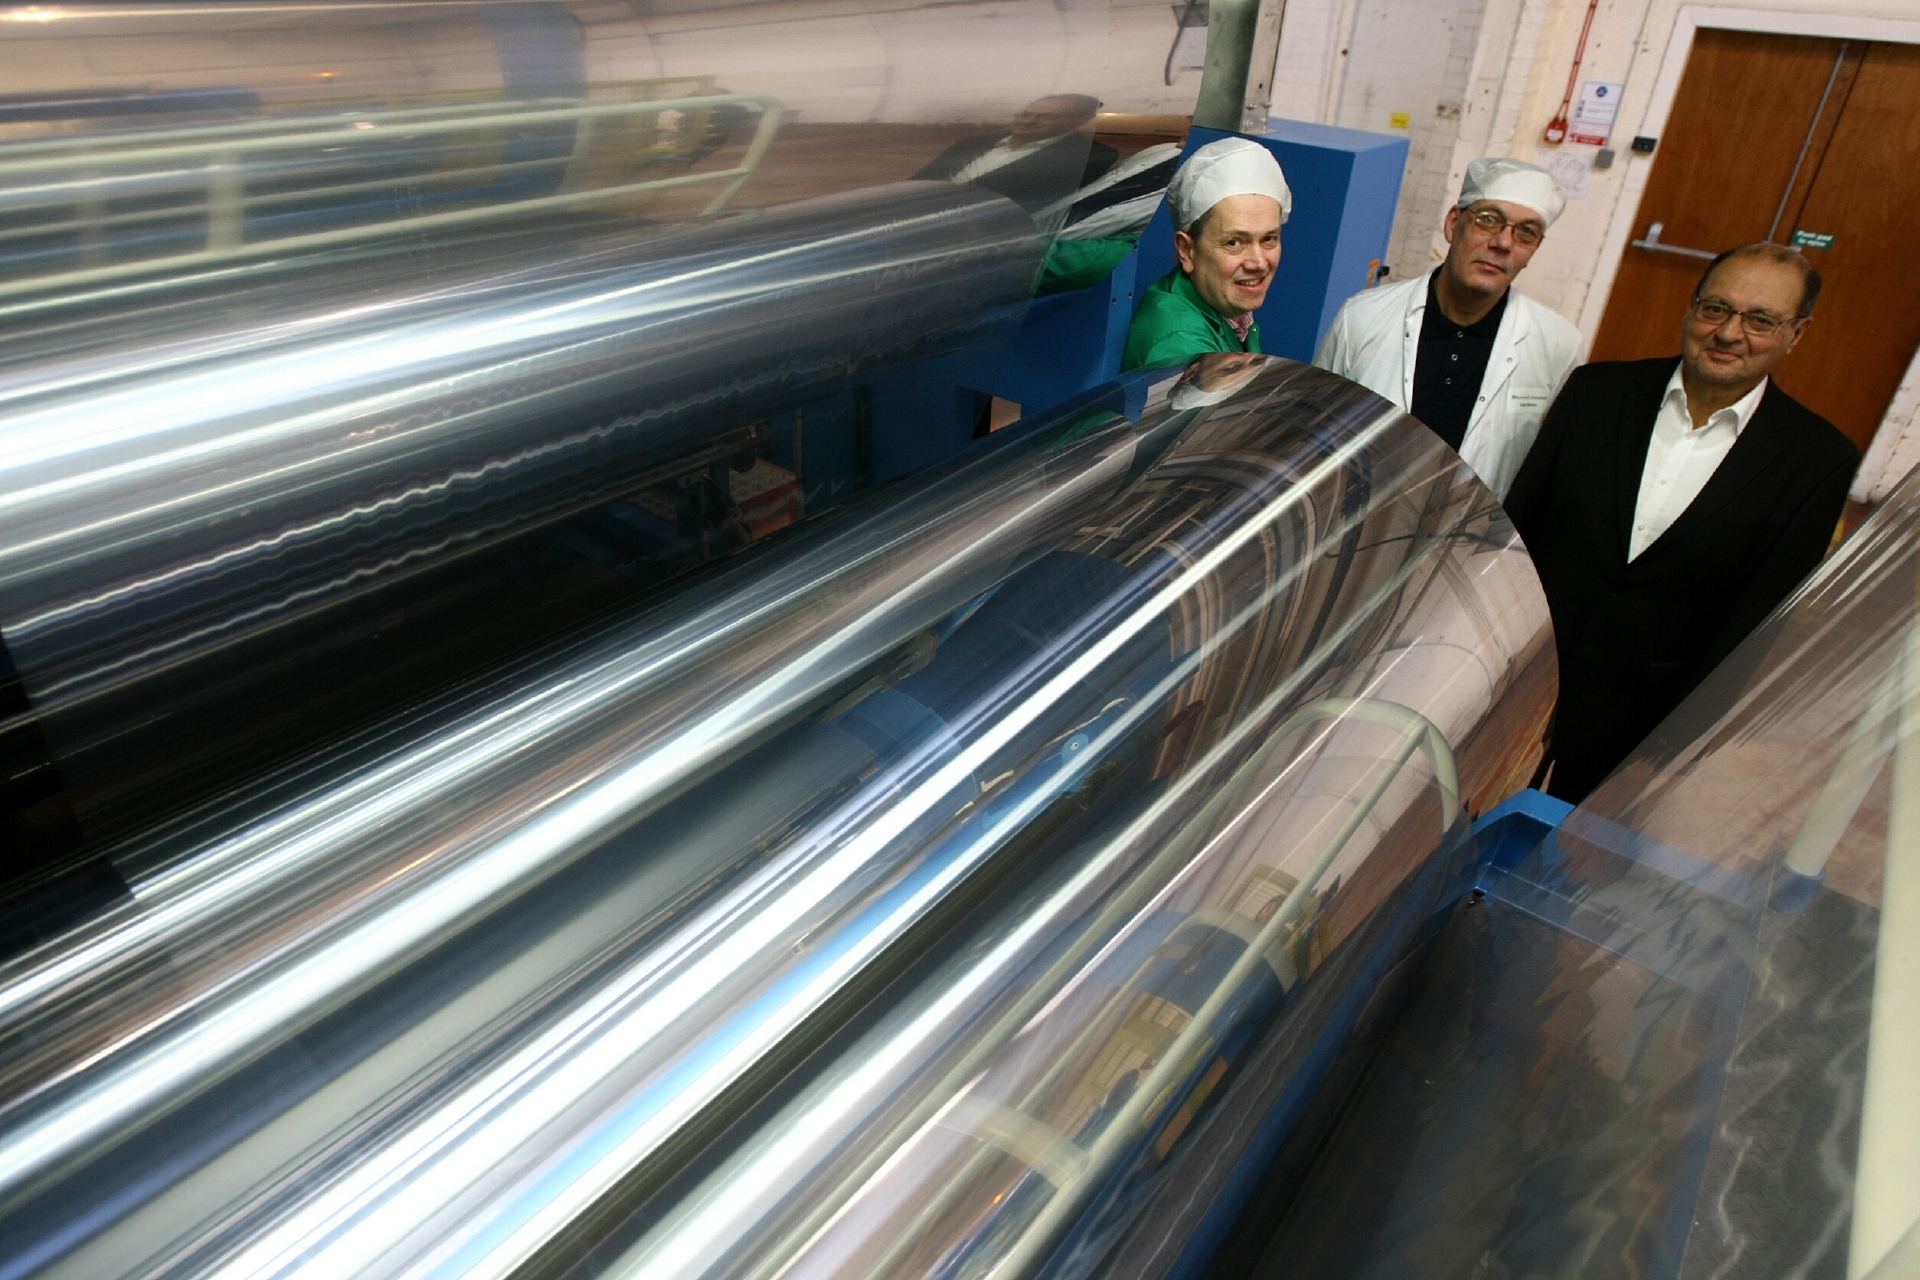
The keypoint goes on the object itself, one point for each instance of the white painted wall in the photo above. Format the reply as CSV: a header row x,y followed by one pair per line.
x,y
1359,63
1307,76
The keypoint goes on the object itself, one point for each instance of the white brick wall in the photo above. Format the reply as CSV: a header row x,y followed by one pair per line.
x,y
1306,76
1356,63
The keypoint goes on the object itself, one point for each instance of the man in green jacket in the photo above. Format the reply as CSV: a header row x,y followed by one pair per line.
x,y
1228,201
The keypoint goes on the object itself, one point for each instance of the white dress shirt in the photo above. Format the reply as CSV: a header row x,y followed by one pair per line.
x,y
998,156
1682,458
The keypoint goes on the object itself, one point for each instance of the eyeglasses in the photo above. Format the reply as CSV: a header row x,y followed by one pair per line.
x,y
1491,220
1757,323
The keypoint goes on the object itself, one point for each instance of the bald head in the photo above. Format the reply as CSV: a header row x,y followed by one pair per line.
x,y
1778,256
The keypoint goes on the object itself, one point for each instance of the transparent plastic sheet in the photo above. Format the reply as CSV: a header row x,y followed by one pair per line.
x,y
220,540
456,1011
355,349
1678,1039
318,987
1089,1084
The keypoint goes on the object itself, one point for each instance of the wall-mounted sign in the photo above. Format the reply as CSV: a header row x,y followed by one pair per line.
x,y
1812,240
1593,114
1401,120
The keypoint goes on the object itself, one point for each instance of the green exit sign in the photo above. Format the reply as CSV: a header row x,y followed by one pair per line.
x,y
1812,240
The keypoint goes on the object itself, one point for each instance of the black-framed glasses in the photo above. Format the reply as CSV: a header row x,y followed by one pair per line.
x,y
1491,220
1759,324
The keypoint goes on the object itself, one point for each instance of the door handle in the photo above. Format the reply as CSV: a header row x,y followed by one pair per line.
x,y
1652,243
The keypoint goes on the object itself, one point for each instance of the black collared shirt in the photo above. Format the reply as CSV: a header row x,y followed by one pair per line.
x,y
1451,362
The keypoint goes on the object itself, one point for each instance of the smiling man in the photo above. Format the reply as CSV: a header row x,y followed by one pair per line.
x,y
1670,504
1228,200
1460,348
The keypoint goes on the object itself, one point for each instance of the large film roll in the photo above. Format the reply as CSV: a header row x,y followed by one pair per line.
x,y
286,198
220,540
1222,681
1094,1080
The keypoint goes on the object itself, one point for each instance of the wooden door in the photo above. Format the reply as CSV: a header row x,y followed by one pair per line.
x,y
1769,136
1866,196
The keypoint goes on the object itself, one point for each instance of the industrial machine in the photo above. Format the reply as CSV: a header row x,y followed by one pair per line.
x,y
554,730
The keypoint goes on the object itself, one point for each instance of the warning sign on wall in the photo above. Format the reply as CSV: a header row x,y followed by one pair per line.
x,y
1593,115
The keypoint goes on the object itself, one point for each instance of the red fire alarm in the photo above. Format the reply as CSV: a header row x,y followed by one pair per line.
x,y
1557,127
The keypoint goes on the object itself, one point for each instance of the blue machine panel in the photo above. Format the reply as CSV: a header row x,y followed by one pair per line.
x,y
1071,341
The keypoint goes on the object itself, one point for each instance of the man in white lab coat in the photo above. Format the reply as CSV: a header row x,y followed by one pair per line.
x,y
1460,348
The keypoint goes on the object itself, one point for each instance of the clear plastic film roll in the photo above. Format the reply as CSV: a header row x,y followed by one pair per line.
x,y
1093,1080
355,350
221,537
1678,1037
1224,681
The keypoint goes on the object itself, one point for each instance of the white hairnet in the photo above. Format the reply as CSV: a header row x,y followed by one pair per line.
x,y
1514,181
1229,167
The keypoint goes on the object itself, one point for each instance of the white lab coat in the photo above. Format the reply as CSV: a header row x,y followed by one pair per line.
x,y
1375,341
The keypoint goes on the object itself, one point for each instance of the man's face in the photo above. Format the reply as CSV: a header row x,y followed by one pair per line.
x,y
1232,252
1726,354
1486,262
1045,118
1223,370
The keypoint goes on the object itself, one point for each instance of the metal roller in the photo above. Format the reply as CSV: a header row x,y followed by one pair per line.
x,y
1108,1062
221,537
475,1006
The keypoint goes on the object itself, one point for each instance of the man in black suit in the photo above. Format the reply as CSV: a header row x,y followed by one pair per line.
x,y
1669,505
1045,156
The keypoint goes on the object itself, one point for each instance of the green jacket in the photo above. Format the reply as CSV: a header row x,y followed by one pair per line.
x,y
1175,324
1081,264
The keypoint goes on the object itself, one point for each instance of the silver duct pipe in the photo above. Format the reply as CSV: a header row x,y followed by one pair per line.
x,y
460,1010
197,510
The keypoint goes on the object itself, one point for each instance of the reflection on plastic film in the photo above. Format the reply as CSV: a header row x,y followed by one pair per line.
x,y
1052,1100
459,1011
1677,1039
169,138
296,250
221,538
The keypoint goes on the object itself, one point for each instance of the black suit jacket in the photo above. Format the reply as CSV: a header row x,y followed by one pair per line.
x,y
1035,180
1634,638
